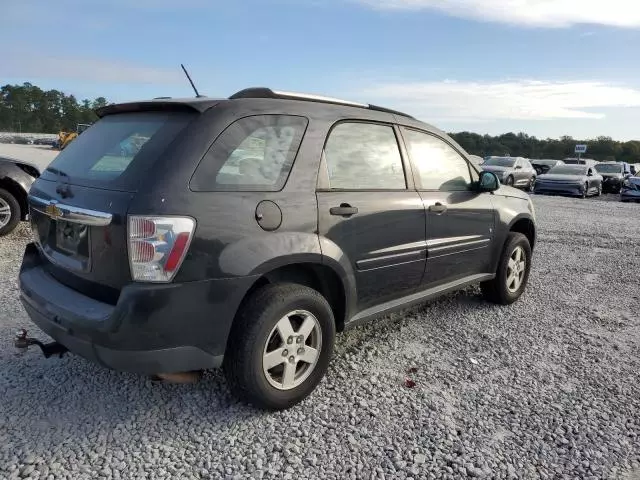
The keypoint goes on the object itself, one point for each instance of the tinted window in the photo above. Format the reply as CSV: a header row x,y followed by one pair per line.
x,y
253,154
439,166
609,168
568,170
364,156
500,161
113,151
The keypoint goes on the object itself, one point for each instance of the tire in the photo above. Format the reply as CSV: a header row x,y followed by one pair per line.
x,y
497,290
585,191
10,205
509,181
599,192
255,333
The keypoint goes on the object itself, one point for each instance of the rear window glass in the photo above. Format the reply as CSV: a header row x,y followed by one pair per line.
x,y
106,153
253,154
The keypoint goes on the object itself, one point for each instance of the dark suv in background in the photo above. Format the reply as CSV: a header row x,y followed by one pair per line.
x,y
180,235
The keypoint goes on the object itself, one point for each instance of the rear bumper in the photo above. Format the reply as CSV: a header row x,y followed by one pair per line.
x,y
151,329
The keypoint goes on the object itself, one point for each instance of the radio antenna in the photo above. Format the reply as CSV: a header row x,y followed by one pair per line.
x,y
191,81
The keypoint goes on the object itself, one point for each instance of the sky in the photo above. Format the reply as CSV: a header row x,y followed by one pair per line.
x,y
544,67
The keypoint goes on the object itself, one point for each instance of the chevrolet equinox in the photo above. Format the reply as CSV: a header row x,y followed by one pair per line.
x,y
177,235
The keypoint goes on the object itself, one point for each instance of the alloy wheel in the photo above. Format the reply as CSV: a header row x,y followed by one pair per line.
x,y
292,350
516,269
5,213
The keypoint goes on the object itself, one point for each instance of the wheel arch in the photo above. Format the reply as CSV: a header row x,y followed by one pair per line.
x,y
526,226
314,274
18,191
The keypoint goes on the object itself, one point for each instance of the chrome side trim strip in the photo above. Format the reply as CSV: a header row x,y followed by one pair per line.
x,y
69,213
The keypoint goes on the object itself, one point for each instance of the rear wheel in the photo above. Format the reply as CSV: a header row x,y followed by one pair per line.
x,y
512,273
280,346
9,212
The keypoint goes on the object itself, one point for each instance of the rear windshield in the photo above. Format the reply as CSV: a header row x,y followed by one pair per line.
x,y
499,161
609,168
114,151
568,170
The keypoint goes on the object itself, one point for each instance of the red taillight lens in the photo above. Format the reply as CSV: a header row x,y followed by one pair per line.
x,y
158,246
177,252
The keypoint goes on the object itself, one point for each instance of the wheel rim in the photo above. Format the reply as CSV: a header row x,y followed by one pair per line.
x,y
292,350
510,181
516,269
532,184
5,213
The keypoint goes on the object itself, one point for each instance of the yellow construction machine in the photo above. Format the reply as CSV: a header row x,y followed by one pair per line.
x,y
65,138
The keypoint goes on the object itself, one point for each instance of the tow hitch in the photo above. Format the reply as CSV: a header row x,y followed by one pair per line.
x,y
22,342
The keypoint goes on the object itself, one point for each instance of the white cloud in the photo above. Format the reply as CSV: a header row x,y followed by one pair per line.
x,y
42,64
541,13
512,100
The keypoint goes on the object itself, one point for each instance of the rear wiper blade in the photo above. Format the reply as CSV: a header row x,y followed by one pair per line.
x,y
57,172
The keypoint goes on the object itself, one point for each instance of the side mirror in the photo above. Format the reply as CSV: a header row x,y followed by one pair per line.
x,y
489,182
518,167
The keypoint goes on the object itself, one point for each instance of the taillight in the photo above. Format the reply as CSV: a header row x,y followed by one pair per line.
x,y
157,246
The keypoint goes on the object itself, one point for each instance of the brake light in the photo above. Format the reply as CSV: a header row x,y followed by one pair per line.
x,y
157,246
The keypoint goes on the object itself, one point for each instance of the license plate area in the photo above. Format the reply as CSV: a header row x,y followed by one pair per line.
x,y
72,238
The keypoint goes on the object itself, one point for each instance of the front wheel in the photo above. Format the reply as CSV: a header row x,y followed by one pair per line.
x,y
532,184
585,191
512,273
509,181
280,346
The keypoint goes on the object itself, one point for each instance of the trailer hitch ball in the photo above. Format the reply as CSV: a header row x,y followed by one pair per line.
x,y
22,342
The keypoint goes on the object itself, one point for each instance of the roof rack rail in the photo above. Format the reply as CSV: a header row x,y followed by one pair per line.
x,y
263,92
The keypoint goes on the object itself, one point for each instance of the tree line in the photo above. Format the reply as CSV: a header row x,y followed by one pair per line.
x,y
522,145
28,108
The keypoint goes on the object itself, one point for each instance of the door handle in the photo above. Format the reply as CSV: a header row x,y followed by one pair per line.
x,y
344,210
438,208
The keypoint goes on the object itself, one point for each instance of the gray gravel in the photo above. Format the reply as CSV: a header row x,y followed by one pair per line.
x,y
545,388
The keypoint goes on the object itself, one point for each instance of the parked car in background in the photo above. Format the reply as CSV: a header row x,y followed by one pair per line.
x,y
16,178
577,180
476,160
543,165
512,171
580,161
635,168
249,261
613,174
630,190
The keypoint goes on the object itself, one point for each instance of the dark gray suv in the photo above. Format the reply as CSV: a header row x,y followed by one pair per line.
x,y
182,235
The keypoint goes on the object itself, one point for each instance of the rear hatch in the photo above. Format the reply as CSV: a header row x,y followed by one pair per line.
x,y
79,204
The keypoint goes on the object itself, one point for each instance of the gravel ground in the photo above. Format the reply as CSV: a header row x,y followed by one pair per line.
x,y
545,388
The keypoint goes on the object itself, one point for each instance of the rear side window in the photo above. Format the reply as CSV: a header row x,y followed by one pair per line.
x,y
253,154
114,151
364,156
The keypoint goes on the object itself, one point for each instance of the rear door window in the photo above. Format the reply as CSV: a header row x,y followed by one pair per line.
x,y
115,152
253,154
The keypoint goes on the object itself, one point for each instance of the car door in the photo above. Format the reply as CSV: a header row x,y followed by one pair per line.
x,y
369,210
460,220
